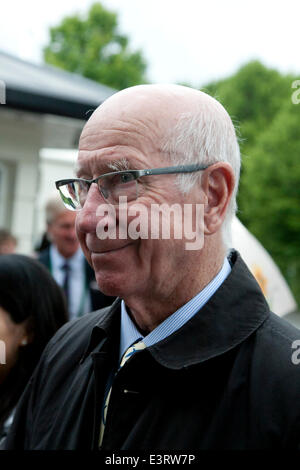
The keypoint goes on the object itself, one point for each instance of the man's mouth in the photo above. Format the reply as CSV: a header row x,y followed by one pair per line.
x,y
108,249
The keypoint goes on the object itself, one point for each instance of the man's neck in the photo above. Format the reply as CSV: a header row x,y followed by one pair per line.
x,y
152,308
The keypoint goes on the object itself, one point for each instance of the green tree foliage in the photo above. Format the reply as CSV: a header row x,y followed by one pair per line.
x,y
92,46
271,191
259,102
252,97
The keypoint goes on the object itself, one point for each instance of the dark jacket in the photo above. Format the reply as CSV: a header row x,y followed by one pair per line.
x,y
224,380
98,299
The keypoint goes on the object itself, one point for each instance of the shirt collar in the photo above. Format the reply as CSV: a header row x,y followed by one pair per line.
x,y
129,333
236,310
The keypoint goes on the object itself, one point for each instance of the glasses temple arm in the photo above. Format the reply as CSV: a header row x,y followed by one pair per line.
x,y
173,169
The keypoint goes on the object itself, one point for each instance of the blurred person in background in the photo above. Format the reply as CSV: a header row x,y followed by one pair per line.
x,y
43,243
8,243
32,309
67,264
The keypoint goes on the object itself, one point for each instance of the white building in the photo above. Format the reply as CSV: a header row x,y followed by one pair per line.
x,y
44,107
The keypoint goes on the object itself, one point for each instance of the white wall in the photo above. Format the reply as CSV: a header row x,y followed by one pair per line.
x,y
29,178
20,138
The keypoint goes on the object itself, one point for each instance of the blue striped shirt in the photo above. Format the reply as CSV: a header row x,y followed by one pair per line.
x,y
129,334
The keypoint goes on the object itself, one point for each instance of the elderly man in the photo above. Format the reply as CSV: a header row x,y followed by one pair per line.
x,y
189,356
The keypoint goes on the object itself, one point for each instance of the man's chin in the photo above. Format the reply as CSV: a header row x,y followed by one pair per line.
x,y
68,252
109,285
112,270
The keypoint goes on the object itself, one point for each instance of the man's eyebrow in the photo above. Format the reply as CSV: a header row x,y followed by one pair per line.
x,y
119,165
106,167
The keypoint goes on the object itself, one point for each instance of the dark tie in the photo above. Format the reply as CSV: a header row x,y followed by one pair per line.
x,y
66,268
128,353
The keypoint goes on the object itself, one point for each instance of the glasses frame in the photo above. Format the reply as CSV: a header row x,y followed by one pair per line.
x,y
169,170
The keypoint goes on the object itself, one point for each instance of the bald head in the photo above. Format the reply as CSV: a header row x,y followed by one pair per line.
x,y
163,105
176,97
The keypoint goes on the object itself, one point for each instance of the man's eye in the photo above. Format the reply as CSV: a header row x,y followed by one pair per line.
x,y
117,179
126,177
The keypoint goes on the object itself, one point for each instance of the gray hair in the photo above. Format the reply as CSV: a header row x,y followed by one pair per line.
x,y
54,207
206,137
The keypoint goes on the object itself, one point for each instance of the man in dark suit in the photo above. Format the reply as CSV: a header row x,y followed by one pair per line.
x,y
65,261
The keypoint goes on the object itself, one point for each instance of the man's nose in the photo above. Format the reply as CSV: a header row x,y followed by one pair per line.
x,y
87,218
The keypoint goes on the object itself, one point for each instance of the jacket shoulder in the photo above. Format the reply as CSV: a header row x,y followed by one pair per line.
x,y
277,329
273,355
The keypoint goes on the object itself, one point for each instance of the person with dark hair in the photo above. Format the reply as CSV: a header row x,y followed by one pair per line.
x,y
32,309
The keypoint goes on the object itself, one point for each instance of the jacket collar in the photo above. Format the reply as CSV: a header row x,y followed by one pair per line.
x,y
232,314
106,328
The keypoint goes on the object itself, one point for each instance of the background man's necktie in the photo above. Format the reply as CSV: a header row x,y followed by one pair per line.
x,y
128,353
66,283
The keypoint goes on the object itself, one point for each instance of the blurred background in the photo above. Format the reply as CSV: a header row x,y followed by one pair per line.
x,y
60,60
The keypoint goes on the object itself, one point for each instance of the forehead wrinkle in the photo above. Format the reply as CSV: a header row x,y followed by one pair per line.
x,y
131,128
142,128
106,155
102,139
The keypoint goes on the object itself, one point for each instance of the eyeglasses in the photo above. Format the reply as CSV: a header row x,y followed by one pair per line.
x,y
113,185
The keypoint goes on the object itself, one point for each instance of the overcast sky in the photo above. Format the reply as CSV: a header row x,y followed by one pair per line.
x,y
193,41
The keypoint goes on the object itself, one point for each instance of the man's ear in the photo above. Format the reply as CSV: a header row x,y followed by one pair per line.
x,y
217,184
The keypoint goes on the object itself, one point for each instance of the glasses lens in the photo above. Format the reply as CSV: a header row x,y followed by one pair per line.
x,y
74,194
118,185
